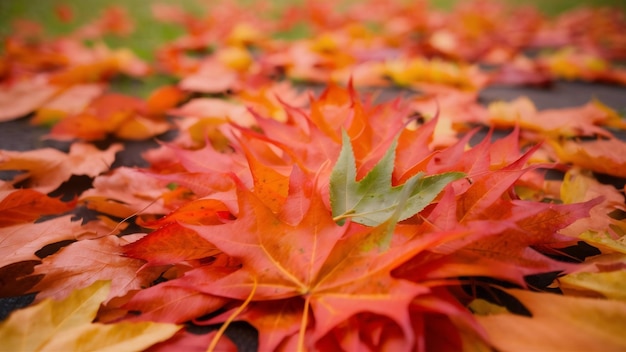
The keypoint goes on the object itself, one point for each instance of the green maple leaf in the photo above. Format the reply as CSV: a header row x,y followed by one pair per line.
x,y
373,200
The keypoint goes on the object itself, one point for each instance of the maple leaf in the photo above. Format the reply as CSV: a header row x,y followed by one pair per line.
x,y
536,225
453,157
170,244
581,121
110,113
521,71
250,234
25,205
270,100
558,323
611,284
606,241
214,108
46,169
84,262
600,276
102,65
602,155
256,226
22,98
502,232
171,302
298,137
201,184
330,267
212,77
271,182
571,63
67,326
125,191
140,128
420,70
580,186
20,242
70,101
163,99
372,200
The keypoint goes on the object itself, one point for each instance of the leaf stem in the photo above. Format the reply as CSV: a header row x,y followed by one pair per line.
x,y
127,218
303,324
348,214
230,319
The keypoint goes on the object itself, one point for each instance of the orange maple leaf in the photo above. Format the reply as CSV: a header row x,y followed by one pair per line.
x,y
607,156
26,205
86,261
46,169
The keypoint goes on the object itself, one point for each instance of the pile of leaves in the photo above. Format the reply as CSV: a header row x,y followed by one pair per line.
x,y
335,220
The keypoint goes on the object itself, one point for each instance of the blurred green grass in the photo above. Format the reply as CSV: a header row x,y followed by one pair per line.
x,y
147,35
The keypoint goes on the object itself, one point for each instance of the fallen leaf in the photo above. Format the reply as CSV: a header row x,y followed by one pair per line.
x,y
111,113
163,99
323,275
46,169
170,244
268,174
611,284
414,72
558,323
372,200
22,98
82,263
67,325
605,156
581,186
212,77
26,205
214,108
125,191
69,102
239,206
141,128
169,303
20,242
586,120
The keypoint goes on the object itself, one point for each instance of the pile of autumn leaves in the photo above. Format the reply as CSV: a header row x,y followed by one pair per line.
x,y
327,222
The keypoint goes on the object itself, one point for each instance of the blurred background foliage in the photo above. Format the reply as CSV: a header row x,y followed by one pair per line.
x,y
149,33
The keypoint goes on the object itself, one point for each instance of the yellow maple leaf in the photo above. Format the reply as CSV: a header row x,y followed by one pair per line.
x,y
67,326
559,323
610,284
